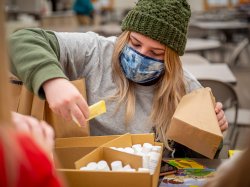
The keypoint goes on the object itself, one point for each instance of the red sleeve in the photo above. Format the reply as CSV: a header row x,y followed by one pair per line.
x,y
35,169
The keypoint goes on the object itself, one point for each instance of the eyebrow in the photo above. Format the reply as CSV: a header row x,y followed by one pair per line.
x,y
141,42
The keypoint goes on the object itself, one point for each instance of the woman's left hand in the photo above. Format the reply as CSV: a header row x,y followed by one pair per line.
x,y
221,117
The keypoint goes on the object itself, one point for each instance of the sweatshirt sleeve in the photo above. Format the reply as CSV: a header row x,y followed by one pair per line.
x,y
34,58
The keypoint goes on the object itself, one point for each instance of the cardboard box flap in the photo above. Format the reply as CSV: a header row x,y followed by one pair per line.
x,y
194,123
68,155
110,155
127,140
122,141
90,141
142,138
106,179
69,150
202,116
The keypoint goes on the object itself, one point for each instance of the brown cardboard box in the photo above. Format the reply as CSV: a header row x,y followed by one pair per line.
x,y
194,123
69,150
75,177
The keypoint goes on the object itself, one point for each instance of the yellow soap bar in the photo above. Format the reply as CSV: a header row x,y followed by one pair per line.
x,y
97,109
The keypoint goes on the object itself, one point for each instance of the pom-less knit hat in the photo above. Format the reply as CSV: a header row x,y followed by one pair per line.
x,y
163,20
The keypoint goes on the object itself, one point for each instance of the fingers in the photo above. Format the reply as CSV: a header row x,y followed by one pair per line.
x,y
49,135
65,113
40,131
223,124
218,107
77,115
83,106
220,115
76,110
20,122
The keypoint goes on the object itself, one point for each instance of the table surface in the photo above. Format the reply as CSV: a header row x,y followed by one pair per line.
x,y
209,163
216,25
216,71
197,44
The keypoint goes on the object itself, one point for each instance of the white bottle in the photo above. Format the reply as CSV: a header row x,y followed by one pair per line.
x,y
102,165
116,166
153,161
129,150
156,148
92,166
146,148
145,170
137,148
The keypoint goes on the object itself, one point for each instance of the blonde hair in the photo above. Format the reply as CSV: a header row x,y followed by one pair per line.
x,y
169,89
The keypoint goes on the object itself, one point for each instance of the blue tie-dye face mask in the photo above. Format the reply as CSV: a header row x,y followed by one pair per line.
x,y
138,67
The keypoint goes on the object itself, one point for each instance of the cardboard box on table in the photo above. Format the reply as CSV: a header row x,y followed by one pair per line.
x,y
75,177
194,123
69,150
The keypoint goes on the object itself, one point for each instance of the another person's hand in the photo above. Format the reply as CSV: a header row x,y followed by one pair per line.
x,y
221,117
41,132
65,100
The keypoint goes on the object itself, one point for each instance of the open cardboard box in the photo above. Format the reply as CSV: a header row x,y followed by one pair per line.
x,y
75,177
69,150
194,123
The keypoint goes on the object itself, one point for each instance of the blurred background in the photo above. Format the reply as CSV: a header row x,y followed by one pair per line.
x,y
217,46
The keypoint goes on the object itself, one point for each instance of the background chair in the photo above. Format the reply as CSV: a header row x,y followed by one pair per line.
x,y
235,55
243,120
226,94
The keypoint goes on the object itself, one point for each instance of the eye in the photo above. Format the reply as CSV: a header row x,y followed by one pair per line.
x,y
156,53
153,53
135,44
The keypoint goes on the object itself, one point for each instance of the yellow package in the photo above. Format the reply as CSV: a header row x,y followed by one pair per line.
x,y
95,110
233,152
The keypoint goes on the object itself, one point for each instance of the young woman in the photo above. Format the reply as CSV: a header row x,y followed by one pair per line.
x,y
140,72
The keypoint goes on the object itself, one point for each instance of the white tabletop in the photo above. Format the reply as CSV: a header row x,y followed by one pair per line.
x,y
215,71
197,44
220,25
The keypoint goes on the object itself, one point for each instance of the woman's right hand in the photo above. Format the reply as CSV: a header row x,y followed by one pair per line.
x,y
64,99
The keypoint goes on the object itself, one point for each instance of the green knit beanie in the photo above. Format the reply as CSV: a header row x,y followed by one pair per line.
x,y
163,20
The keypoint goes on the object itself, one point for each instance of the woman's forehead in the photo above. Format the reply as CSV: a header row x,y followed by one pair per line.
x,y
146,40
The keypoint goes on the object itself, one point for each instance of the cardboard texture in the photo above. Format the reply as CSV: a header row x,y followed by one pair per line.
x,y
194,123
75,177
69,150
27,103
110,155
